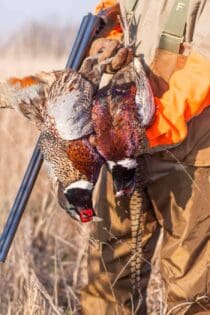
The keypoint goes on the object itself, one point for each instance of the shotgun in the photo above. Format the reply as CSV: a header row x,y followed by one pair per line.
x,y
88,29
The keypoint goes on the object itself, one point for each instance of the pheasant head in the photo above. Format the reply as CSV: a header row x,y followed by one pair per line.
x,y
85,158
124,175
79,201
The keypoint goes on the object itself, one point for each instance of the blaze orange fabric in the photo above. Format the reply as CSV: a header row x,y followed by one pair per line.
x,y
116,32
187,96
104,4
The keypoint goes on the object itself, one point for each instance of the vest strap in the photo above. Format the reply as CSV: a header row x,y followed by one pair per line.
x,y
173,34
130,5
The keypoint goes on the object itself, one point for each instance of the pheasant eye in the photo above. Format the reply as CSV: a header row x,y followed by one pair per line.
x,y
119,91
101,50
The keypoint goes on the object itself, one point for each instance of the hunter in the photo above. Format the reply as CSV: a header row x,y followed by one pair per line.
x,y
172,39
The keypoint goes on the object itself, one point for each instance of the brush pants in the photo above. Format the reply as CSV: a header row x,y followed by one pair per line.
x,y
178,192
177,196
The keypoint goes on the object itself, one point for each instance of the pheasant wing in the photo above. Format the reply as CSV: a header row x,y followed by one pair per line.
x,y
69,106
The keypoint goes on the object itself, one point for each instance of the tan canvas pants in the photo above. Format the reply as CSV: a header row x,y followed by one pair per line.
x,y
177,198
178,190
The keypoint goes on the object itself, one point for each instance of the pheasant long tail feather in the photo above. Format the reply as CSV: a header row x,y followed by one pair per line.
x,y
136,207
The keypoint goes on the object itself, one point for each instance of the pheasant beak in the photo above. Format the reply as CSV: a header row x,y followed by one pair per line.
x,y
87,215
97,219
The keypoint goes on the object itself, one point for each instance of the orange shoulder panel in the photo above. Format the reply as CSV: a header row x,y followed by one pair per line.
x,y
187,96
104,4
116,31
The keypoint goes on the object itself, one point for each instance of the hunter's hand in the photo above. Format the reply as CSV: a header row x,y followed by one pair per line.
x,y
106,48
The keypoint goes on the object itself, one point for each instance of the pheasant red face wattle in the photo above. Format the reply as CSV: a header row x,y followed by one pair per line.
x,y
86,215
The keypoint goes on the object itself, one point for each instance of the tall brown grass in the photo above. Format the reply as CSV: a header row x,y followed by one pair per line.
x,y
39,275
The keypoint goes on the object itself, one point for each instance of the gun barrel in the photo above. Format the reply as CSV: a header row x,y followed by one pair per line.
x,y
20,202
88,28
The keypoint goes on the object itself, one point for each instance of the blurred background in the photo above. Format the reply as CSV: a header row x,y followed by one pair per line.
x,y
38,30
47,263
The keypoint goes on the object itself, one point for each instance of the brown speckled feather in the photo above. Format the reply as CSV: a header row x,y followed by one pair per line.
x,y
59,100
55,154
85,158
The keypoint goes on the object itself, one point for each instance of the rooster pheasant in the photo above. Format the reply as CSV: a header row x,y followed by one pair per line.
x,y
59,103
120,113
133,81
67,116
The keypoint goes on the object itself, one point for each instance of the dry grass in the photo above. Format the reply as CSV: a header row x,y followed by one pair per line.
x,y
38,275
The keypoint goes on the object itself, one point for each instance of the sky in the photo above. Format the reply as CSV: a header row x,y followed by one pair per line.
x,y
15,13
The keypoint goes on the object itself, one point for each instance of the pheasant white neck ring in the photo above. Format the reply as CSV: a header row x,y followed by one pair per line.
x,y
83,184
128,163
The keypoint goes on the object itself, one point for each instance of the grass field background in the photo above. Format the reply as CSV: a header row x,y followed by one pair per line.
x,y
39,276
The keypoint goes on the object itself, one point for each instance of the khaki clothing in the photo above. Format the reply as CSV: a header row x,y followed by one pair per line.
x,y
151,17
177,197
178,189
179,186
